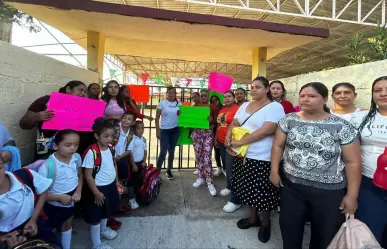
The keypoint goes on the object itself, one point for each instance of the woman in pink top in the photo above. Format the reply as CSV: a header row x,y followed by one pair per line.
x,y
115,106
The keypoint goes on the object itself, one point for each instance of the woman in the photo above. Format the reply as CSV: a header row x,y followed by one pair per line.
x,y
93,91
278,92
250,179
131,105
240,96
166,129
115,106
216,102
372,127
203,142
37,113
321,172
195,98
344,95
224,119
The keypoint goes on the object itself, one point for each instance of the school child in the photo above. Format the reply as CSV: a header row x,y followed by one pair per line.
x,y
101,183
123,138
67,183
138,155
22,196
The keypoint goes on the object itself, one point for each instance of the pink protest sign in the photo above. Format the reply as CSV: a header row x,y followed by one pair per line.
x,y
218,82
72,112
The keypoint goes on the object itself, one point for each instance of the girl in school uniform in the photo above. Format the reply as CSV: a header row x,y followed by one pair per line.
x,y
102,183
138,154
67,185
20,206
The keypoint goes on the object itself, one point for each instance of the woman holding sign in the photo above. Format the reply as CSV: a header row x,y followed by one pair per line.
x,y
37,113
250,177
203,142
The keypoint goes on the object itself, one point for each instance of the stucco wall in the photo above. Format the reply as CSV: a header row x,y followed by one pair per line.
x,y
24,77
361,76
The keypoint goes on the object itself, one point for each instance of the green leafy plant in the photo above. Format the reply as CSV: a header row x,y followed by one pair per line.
x,y
11,15
356,46
378,43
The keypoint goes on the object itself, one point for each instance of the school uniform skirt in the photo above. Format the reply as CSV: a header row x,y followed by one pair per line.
x,y
57,215
250,182
93,213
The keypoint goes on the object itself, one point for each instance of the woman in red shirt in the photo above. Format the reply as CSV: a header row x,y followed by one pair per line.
x,y
131,105
278,93
224,120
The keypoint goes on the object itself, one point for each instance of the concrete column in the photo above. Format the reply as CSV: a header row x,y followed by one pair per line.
x,y
95,51
259,62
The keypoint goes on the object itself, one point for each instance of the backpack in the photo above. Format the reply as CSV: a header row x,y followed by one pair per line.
x,y
354,234
150,185
25,177
51,167
97,157
117,134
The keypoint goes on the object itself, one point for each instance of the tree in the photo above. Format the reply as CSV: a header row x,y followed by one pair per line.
x,y
11,15
378,44
356,46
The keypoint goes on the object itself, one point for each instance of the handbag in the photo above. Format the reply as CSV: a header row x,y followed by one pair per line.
x,y
237,134
35,244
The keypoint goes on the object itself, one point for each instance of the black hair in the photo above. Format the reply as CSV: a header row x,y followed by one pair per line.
x,y
196,93
265,83
320,89
106,97
100,125
174,89
61,135
130,114
282,86
135,125
230,92
373,109
242,89
214,96
71,84
343,84
92,84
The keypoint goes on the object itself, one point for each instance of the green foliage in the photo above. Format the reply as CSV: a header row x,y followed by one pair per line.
x,y
11,15
378,44
356,46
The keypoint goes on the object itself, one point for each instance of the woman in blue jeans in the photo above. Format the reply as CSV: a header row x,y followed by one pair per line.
x,y
224,120
166,129
372,127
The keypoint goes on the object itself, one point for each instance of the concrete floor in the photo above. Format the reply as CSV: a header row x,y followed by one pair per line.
x,y
184,217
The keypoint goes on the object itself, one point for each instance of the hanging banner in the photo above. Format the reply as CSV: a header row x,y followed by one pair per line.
x,y
159,79
173,81
202,82
72,112
218,82
112,72
140,93
188,82
144,77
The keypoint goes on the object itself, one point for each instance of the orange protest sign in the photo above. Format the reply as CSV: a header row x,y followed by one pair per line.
x,y
186,103
140,93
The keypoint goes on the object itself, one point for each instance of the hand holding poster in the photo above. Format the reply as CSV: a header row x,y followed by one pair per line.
x,y
194,117
72,112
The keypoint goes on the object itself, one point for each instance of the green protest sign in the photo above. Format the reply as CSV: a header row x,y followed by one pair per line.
x,y
184,137
220,96
194,117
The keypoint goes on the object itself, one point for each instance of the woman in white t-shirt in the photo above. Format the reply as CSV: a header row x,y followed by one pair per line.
x,y
344,95
166,129
250,178
373,129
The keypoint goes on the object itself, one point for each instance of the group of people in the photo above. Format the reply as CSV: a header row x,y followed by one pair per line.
x,y
316,164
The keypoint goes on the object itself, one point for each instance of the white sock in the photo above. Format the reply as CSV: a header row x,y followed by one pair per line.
x,y
95,232
66,239
103,224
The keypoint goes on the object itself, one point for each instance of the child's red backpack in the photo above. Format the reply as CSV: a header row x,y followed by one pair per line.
x,y
150,185
97,157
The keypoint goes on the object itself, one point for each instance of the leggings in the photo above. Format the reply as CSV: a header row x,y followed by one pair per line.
x,y
203,142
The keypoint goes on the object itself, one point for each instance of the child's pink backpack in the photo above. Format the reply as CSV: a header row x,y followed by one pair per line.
x,y
354,234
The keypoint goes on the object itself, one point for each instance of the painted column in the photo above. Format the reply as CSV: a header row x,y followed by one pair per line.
x,y
259,62
95,51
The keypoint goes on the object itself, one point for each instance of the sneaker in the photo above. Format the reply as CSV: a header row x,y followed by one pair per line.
x,y
225,192
133,204
212,189
218,172
196,172
108,233
198,183
231,207
169,175
102,246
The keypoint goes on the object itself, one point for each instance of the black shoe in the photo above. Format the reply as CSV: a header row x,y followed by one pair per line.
x,y
245,223
264,233
169,175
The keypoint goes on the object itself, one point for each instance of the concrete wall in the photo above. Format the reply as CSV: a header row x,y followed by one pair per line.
x,y
361,76
24,77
